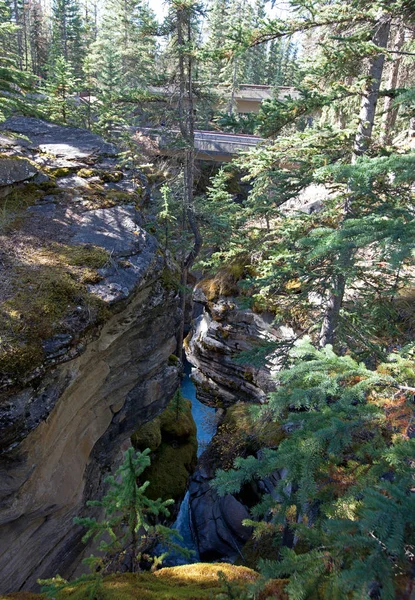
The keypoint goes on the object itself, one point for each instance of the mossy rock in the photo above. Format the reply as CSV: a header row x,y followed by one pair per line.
x,y
170,468
173,360
200,581
177,421
85,173
225,282
172,439
239,418
44,291
111,176
105,176
147,436
61,171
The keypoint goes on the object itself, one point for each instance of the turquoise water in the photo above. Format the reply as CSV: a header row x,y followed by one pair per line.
x,y
203,415
205,423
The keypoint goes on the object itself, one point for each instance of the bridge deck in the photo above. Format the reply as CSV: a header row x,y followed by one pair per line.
x,y
209,145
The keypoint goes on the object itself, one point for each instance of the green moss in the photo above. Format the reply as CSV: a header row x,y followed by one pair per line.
x,y
61,171
248,376
86,172
173,361
147,436
13,206
225,282
199,581
172,439
111,176
177,422
120,197
21,198
170,468
93,257
239,418
44,291
105,176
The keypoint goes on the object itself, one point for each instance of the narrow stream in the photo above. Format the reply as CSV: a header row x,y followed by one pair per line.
x,y
205,423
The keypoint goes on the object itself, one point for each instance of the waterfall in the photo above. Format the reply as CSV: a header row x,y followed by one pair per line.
x,y
203,417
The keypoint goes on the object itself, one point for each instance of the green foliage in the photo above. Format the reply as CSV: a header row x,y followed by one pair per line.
x,y
237,123
346,474
60,87
129,530
14,84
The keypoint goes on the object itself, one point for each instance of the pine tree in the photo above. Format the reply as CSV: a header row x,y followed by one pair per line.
x,y
129,531
38,38
68,34
130,26
109,110
60,87
181,18
321,254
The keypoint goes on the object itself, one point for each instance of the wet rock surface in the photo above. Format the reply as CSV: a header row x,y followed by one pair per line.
x,y
62,427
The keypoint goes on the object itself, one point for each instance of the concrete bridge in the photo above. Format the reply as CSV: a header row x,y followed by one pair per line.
x,y
211,146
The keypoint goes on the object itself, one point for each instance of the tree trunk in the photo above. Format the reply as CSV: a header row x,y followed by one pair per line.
x,y
186,124
362,140
390,113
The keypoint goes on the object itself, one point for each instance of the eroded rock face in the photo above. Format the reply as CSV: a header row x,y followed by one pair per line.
x,y
216,521
219,335
62,427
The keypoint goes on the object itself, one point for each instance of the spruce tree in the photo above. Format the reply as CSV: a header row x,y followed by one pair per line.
x,y
129,530
60,87
342,512
68,34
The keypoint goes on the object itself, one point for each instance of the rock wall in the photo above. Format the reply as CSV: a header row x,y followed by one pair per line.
x,y
220,333
62,426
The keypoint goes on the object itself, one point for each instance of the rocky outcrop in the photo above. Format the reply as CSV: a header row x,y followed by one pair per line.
x,y
216,521
102,366
218,337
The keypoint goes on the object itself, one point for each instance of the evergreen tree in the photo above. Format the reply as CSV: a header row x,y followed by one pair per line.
x,y
329,249
14,84
129,530
344,499
68,34
182,14
60,87
38,38
129,25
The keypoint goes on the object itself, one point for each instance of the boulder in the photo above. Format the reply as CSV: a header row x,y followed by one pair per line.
x,y
15,170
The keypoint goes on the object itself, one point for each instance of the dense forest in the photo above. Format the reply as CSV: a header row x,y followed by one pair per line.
x,y
312,228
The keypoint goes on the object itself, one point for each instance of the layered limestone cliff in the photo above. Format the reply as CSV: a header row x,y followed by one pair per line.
x,y
220,333
88,317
